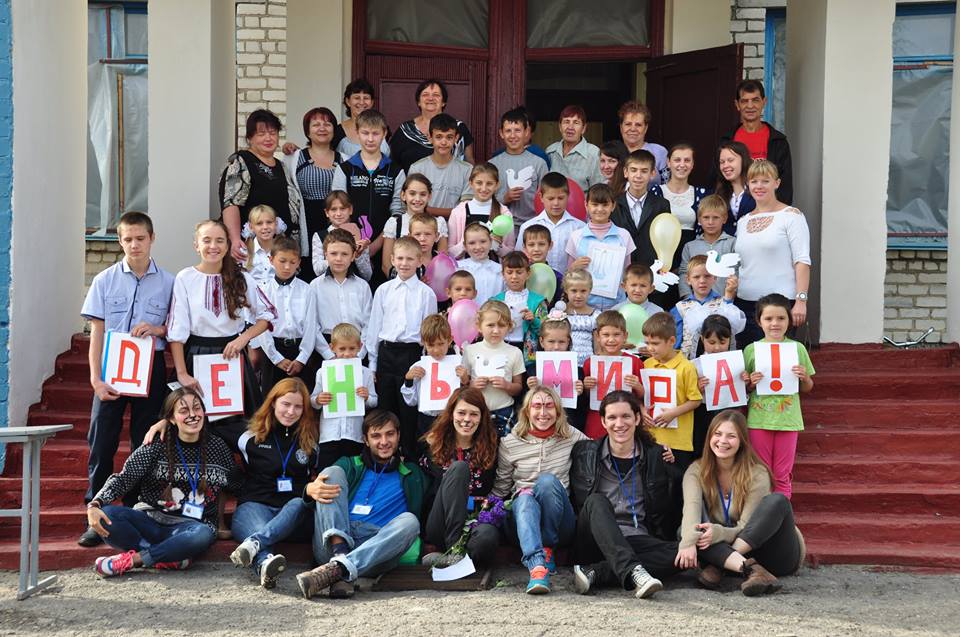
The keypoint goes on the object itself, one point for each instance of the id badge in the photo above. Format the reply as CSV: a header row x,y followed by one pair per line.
x,y
284,485
192,510
361,509
470,503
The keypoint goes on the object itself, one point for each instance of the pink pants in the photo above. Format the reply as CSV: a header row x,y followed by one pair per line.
x,y
778,449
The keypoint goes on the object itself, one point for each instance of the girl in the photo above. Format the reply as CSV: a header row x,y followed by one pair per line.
x,y
612,155
487,274
776,421
493,366
577,284
483,208
716,336
730,486
734,161
262,228
210,300
555,337
415,195
179,480
459,457
684,199
339,211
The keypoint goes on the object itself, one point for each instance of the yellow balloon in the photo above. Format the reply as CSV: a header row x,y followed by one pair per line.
x,y
665,236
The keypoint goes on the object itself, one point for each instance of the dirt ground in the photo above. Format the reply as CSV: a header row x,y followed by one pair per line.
x,y
215,599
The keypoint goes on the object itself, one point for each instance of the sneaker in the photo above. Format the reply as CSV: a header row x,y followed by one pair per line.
x,y
341,589
172,566
440,560
583,579
644,583
89,538
539,583
270,569
710,577
109,566
550,560
759,580
324,576
243,555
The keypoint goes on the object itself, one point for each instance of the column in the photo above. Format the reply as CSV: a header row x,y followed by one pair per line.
x,y
953,209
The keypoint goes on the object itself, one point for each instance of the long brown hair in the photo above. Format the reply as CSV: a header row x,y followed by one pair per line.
x,y
745,462
723,187
170,437
263,421
442,437
234,284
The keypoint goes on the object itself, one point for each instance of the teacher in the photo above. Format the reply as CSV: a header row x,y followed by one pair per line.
x,y
412,140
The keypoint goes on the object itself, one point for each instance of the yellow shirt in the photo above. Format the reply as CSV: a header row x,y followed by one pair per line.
x,y
680,438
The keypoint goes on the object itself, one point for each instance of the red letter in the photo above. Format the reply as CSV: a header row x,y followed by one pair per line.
x,y
775,384
216,384
612,380
439,389
126,346
664,397
724,379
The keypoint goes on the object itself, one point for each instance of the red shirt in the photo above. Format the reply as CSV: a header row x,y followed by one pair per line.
x,y
755,142
593,426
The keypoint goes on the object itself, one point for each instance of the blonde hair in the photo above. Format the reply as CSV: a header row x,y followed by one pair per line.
x,y
713,203
523,415
497,307
406,243
256,213
577,275
763,168
344,332
422,219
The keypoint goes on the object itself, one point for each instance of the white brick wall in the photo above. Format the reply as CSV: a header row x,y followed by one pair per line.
x,y
748,26
915,292
261,60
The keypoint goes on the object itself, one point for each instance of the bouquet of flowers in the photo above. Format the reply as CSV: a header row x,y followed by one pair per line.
x,y
493,511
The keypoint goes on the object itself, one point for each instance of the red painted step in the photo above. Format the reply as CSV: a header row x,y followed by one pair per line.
x,y
906,554
62,457
884,527
909,385
856,441
882,414
905,498
874,357
866,470
79,419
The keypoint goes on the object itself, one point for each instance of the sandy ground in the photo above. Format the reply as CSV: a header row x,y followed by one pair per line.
x,y
215,599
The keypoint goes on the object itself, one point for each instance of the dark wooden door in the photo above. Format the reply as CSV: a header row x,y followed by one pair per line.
x,y
691,97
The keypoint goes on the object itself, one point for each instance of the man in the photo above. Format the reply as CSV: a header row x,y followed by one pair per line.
x,y
628,492
763,140
367,511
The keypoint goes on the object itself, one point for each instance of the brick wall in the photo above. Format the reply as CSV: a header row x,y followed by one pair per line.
x,y
915,294
748,26
100,256
261,60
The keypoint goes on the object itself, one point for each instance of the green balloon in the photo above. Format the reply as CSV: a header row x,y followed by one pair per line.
x,y
502,225
635,317
542,280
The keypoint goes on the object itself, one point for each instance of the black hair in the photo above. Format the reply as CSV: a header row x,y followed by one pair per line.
x,y
134,218
443,123
430,82
265,117
716,325
359,85
518,115
775,300
556,181
750,86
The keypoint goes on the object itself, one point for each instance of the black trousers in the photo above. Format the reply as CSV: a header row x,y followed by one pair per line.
x,y
771,532
445,521
701,422
330,452
270,375
106,424
613,556
393,362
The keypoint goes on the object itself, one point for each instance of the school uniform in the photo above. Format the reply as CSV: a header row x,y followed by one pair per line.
x,y
579,245
559,235
342,435
488,276
260,267
294,332
121,300
336,302
410,390
635,216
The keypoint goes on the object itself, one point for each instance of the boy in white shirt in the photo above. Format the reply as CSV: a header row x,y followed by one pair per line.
x,y
554,192
340,296
437,338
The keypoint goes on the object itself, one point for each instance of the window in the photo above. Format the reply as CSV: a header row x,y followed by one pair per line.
x,y
462,23
775,66
553,24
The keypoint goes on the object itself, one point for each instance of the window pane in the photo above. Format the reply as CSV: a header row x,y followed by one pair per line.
x,y
462,23
923,35
569,23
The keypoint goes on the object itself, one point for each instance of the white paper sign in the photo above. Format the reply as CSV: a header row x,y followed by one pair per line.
x,y
610,372
221,382
776,361
486,366
127,363
659,392
461,569
606,268
725,387
438,383
341,377
558,370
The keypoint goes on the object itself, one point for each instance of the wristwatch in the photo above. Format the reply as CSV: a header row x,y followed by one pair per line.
x,y
802,296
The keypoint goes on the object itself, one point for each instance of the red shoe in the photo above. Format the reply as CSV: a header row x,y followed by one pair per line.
x,y
171,566
110,566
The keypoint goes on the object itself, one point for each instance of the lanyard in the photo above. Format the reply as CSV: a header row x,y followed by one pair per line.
x,y
376,480
631,502
725,503
283,459
192,478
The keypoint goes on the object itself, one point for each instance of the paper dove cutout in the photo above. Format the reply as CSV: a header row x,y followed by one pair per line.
x,y
723,265
523,179
662,280
490,366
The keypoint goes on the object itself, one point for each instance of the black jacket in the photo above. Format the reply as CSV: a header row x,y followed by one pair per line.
x,y
653,205
778,151
662,485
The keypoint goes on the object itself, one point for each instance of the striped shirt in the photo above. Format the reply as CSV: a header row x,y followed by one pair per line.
x,y
315,182
520,461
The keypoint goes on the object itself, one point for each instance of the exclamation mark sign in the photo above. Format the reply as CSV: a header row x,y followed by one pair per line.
x,y
775,383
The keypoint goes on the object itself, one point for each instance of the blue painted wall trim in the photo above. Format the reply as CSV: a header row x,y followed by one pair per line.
x,y
6,207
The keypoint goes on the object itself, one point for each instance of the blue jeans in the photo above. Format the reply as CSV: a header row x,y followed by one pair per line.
x,y
544,518
373,549
136,531
269,525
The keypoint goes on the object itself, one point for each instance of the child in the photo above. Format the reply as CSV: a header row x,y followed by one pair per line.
x,y
520,170
461,286
555,337
501,365
682,197
448,174
716,336
339,212
486,272
483,208
554,192
702,302
527,308
636,208
600,230
659,333
392,337
262,222
611,337
289,346
341,436
776,421
339,295
414,195
437,339
577,284
638,284
130,296
424,229
537,242
711,217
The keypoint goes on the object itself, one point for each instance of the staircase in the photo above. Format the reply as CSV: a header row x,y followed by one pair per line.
x,y
877,478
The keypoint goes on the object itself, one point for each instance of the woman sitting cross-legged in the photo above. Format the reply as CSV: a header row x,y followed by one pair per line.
x,y
180,480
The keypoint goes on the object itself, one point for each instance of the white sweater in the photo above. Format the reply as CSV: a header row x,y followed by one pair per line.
x,y
769,245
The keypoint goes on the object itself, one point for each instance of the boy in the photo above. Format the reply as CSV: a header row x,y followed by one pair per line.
x,y
392,337
447,174
131,296
554,192
611,336
520,170
636,208
461,286
292,341
573,156
340,436
703,296
437,338
527,308
659,332
537,242
339,295
638,284
711,215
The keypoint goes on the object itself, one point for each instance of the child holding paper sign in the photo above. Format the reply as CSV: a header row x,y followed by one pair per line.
x,y
716,335
582,317
611,337
436,337
776,420
555,337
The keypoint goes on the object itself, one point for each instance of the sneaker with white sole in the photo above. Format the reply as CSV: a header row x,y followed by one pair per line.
x,y
270,570
645,584
243,555
583,579
113,565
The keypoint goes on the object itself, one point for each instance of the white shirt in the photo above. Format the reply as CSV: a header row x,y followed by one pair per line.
x,y
488,276
517,302
506,356
559,234
390,229
296,318
769,245
399,308
636,207
335,303
681,205
344,427
199,307
261,269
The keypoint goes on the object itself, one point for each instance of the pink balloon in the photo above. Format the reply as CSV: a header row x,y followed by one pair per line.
x,y
576,204
438,274
462,317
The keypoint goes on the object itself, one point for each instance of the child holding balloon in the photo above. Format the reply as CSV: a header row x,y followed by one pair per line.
x,y
486,272
415,194
483,208
527,308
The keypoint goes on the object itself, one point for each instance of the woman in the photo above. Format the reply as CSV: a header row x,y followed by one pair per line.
x,y
730,486
533,467
459,456
773,241
253,177
412,140
612,156
734,161
634,124
358,96
180,480
684,198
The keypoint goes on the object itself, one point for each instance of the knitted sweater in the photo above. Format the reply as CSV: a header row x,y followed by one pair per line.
x,y
520,461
